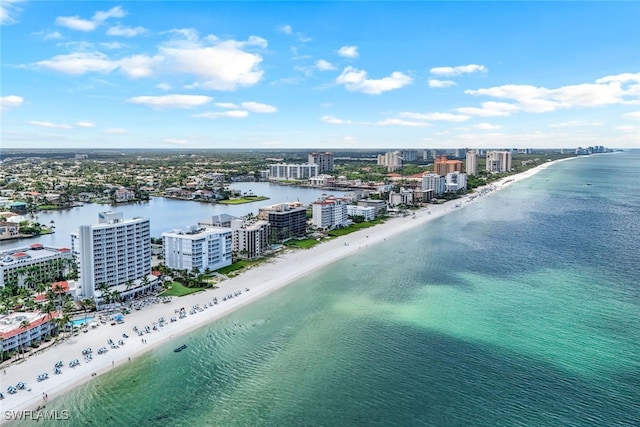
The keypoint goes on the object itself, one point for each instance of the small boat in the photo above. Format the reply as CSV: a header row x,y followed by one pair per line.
x,y
179,349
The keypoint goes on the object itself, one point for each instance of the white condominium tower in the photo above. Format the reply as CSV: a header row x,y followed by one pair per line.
x,y
324,160
116,251
472,163
498,161
198,248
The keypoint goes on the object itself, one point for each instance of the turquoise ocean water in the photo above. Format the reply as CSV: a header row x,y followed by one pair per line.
x,y
522,309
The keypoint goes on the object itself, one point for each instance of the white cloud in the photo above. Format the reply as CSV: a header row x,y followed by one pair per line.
x,y
9,11
620,78
575,123
222,65
10,101
113,45
76,23
49,35
460,69
617,89
441,83
490,109
486,126
115,131
236,114
335,120
114,12
50,125
286,29
323,65
447,117
400,122
85,124
356,81
230,105
348,51
80,63
216,64
627,128
170,101
256,107
139,65
164,86
633,115
86,25
123,31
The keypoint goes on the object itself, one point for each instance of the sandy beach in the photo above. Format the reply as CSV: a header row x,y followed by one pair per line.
x,y
279,271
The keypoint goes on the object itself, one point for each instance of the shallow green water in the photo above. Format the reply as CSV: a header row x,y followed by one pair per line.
x,y
522,309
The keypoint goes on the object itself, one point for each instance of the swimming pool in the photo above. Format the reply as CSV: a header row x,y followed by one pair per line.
x,y
81,321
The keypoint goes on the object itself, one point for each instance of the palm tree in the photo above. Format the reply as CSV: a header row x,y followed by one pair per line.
x,y
104,293
24,325
87,304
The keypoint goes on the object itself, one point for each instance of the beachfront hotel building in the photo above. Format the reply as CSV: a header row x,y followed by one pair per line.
x,y
324,160
329,213
115,251
250,238
366,212
442,166
287,220
33,264
198,248
433,181
455,181
471,163
19,330
283,171
380,206
498,161
403,197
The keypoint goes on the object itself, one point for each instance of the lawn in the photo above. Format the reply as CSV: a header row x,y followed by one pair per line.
x,y
354,227
302,244
176,289
241,200
238,265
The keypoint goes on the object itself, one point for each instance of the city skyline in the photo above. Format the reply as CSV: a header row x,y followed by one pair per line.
x,y
173,74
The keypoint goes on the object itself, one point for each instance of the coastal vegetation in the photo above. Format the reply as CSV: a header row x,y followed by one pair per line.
x,y
177,289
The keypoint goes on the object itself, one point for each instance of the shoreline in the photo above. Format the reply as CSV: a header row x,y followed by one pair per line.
x,y
261,280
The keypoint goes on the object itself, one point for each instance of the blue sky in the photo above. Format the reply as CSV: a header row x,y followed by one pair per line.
x,y
206,74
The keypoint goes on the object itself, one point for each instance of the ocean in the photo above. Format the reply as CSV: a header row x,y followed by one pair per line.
x,y
522,309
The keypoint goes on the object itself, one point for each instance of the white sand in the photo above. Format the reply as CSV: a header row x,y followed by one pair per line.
x,y
262,280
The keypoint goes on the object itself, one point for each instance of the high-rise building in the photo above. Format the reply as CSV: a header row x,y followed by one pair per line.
x,y
455,181
330,212
250,239
287,220
324,160
392,160
116,252
433,181
290,171
34,264
498,161
472,163
197,248
409,155
442,166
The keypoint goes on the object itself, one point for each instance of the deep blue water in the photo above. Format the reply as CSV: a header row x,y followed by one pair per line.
x,y
522,309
